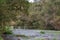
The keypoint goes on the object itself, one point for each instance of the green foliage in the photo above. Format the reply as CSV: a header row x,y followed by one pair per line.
x,y
29,15
42,32
50,10
54,39
1,38
1,1
8,30
9,10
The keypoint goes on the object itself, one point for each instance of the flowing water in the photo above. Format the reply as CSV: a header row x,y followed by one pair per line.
x,y
36,34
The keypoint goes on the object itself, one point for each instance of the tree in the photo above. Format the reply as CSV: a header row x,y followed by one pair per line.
x,y
49,11
10,9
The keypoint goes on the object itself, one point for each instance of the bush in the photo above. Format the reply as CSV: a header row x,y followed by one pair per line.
x,y
7,30
1,38
42,32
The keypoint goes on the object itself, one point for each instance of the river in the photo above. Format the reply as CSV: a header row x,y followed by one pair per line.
x,y
36,34
22,34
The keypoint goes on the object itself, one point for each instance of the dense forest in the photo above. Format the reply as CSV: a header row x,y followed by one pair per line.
x,y
22,14
43,14
46,14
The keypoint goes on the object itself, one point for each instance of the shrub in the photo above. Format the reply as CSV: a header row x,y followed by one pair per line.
x,y
1,38
42,32
7,30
